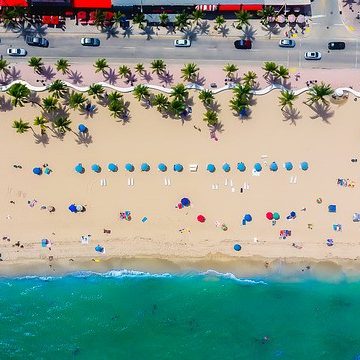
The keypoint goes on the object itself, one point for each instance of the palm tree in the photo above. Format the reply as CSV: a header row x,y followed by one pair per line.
x,y
287,98
230,69
99,18
242,18
177,107
116,108
139,18
96,91
179,92
141,92
59,88
219,22
249,78
197,15
270,68
206,97
211,117
161,102
282,72
118,17
63,66
139,68
4,66
36,63
76,100
100,65
181,21
318,92
124,71
239,105
158,66
20,94
21,126
164,19
63,124
242,91
265,13
114,96
49,103
41,122
189,72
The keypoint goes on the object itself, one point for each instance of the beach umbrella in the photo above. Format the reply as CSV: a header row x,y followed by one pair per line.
x,y
273,166
248,217
280,19
145,167
293,214
113,167
79,208
185,202
300,19
96,168
178,167
99,248
210,168
72,208
162,167
226,167
201,218
304,165
79,168
44,242
276,216
288,166
51,208
237,247
82,128
129,167
257,167
291,18
269,215
241,167
37,171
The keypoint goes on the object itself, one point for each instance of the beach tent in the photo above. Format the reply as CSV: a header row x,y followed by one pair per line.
x,y
237,247
82,128
178,167
72,208
276,216
201,218
162,167
79,168
273,166
129,167
226,167
293,214
257,167
145,167
304,165
185,202
210,168
95,168
288,166
37,171
269,215
248,217
113,167
241,167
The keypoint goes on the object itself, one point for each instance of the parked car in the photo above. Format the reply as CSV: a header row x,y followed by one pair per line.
x,y
37,41
336,45
182,42
16,52
243,44
288,43
312,55
90,42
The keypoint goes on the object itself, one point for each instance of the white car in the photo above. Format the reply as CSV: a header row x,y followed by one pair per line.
x,y
182,42
312,55
16,52
288,43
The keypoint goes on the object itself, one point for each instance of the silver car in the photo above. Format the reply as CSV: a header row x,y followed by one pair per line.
x,y
16,52
289,43
312,55
182,42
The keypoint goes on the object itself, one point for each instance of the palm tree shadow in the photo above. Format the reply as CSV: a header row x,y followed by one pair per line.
x,y
75,77
224,31
42,139
189,101
13,74
48,73
58,134
5,104
148,31
111,76
166,78
200,80
110,31
203,27
271,29
322,111
89,111
34,98
147,76
214,106
61,111
291,114
39,29
170,30
190,33
128,32
22,28
219,127
84,139
249,32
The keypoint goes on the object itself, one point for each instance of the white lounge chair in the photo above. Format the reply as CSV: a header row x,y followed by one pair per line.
x,y
193,167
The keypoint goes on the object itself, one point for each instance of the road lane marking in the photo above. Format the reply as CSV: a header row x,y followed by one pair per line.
x,y
129,47
318,16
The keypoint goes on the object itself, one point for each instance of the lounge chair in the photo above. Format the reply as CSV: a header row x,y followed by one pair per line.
x,y
193,167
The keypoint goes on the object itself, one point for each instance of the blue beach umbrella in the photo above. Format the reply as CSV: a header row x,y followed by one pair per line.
x,y
82,128
162,167
72,208
288,166
293,214
99,248
210,168
96,168
79,168
241,167
257,167
129,167
37,171
178,168
145,167
226,167
304,165
273,166
248,217
237,247
113,167
185,202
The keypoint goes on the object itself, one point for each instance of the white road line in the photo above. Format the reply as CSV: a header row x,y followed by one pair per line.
x,y
129,47
356,55
317,16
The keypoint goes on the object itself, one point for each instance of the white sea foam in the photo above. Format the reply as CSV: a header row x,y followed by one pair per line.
x,y
231,276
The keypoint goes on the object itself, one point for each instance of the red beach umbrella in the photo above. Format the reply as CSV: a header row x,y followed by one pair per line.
x,y
201,218
269,215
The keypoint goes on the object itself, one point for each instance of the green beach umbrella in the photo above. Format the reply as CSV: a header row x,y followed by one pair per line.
x,y
276,216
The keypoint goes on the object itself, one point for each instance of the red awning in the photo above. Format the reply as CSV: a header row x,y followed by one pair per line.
x,y
20,3
230,7
255,7
92,4
81,15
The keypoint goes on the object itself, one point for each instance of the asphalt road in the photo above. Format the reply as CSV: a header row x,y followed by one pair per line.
x,y
204,49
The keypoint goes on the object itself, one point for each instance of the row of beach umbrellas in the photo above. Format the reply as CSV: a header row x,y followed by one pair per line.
x,y
79,168
300,19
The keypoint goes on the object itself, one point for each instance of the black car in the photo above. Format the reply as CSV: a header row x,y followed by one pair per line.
x,y
336,45
243,44
37,41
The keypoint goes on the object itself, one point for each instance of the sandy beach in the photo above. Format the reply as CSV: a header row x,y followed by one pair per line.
x,y
327,142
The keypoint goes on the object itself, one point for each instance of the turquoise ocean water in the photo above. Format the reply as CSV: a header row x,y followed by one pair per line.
x,y
130,315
